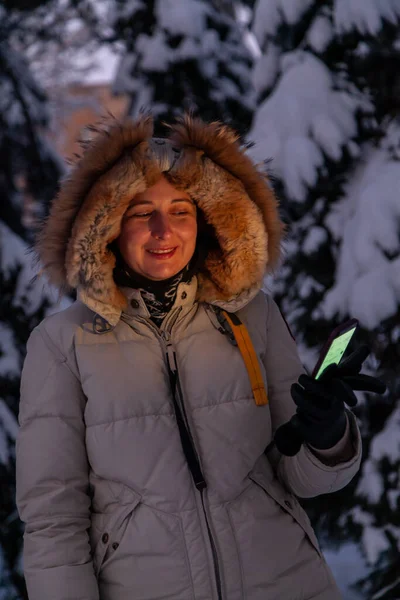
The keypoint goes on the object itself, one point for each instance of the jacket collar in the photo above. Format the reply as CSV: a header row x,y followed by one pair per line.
x,y
136,306
185,298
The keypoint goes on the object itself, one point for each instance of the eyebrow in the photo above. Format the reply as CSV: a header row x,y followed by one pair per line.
x,y
148,202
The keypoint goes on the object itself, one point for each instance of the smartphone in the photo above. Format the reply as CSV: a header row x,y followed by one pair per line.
x,y
335,346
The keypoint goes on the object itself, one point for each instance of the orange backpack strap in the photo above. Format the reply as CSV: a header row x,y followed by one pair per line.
x,y
250,358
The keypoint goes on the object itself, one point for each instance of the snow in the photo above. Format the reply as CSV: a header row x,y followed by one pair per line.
x,y
91,67
374,539
77,58
368,221
265,70
189,50
327,134
269,14
14,253
9,355
13,249
364,15
8,428
180,17
11,111
306,286
387,442
348,566
303,119
103,67
292,10
301,159
320,34
370,485
244,16
28,296
29,292
366,305
250,42
393,497
155,54
184,31
129,7
316,237
309,116
266,20
375,542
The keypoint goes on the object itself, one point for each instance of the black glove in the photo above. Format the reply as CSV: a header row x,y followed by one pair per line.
x,y
320,419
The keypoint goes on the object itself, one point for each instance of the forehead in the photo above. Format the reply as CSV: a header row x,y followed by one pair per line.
x,y
161,192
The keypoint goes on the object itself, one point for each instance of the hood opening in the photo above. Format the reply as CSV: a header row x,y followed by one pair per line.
x,y
239,225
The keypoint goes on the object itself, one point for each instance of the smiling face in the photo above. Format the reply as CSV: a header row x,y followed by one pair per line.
x,y
158,231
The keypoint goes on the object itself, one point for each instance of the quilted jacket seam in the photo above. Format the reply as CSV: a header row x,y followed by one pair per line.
x,y
57,354
153,415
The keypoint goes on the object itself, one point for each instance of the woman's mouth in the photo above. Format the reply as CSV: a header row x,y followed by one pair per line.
x,y
162,253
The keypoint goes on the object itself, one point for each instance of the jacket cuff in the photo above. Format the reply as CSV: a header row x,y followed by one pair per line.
x,y
306,476
341,452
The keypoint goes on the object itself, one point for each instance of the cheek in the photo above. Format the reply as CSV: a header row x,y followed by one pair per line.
x,y
131,236
189,233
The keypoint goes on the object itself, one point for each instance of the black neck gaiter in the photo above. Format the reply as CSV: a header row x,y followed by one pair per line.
x,y
159,296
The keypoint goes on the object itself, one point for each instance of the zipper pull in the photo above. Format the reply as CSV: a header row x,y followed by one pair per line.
x,y
166,336
171,358
172,367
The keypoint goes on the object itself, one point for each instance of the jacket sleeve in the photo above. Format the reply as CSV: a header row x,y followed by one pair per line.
x,y
52,477
308,473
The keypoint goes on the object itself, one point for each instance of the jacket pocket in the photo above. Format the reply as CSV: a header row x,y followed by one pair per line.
x,y
108,527
288,504
277,549
151,560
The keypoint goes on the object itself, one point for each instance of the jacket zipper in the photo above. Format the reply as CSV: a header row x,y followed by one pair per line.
x,y
192,456
213,548
186,436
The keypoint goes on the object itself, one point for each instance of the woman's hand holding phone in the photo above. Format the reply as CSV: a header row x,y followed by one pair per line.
x,y
320,419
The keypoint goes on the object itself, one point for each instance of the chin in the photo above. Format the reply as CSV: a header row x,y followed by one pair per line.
x,y
164,273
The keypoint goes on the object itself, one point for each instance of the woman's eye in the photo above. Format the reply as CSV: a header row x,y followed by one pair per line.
x,y
144,215
148,214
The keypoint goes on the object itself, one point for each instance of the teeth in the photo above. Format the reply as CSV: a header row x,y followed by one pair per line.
x,y
161,251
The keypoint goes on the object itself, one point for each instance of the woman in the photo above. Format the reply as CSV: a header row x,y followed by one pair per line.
x,y
141,471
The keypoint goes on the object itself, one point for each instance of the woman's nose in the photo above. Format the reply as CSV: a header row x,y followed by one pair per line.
x,y
160,226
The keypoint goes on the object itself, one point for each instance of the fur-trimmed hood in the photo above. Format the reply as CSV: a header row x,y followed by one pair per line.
x,y
212,167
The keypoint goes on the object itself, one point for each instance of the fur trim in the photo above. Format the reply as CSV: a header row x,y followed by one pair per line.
x,y
236,200
97,158
232,193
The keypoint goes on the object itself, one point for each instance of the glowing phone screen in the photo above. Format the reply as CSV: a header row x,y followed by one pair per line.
x,y
336,351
